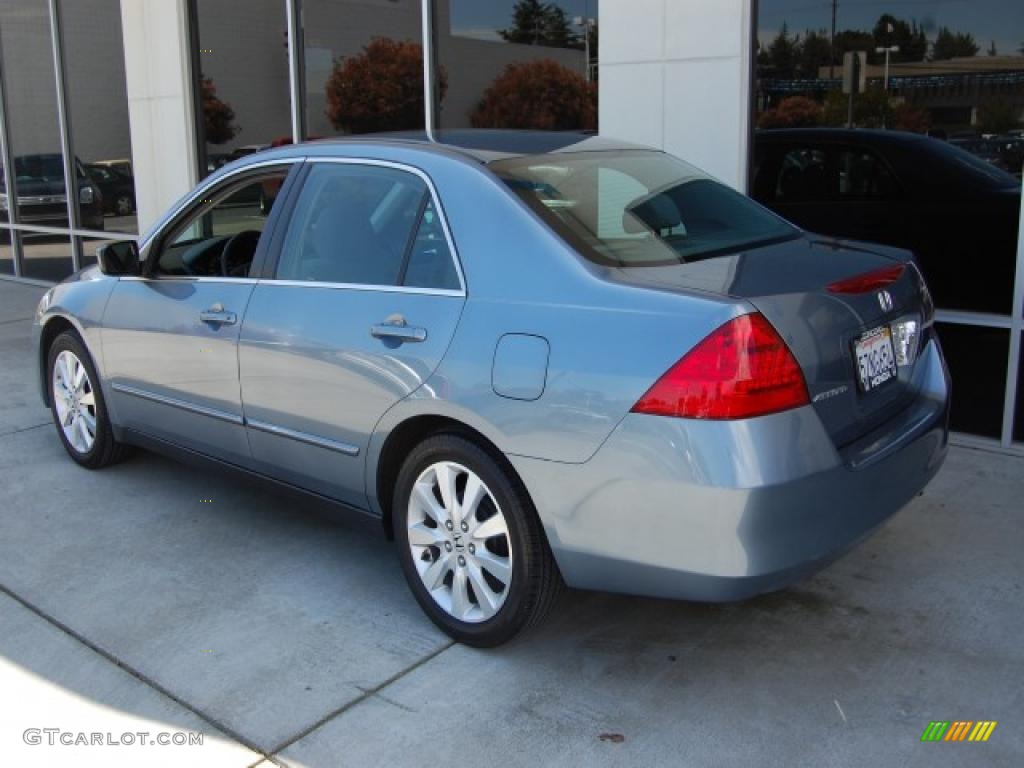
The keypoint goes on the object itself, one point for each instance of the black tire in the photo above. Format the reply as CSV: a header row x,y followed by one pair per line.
x,y
535,583
105,449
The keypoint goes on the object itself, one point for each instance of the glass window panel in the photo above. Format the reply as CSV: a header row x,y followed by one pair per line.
x,y
35,134
518,63
1018,422
220,239
98,103
364,66
977,359
45,256
351,224
6,253
430,260
244,87
953,71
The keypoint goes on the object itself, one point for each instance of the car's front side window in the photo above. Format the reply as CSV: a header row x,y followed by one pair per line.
x,y
220,238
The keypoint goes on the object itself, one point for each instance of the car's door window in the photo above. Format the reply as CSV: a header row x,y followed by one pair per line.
x,y
361,224
430,262
803,176
863,175
220,238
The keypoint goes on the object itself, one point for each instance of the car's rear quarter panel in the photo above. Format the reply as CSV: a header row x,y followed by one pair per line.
x,y
608,342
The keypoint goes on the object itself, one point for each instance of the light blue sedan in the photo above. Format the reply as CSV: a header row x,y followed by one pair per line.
x,y
536,359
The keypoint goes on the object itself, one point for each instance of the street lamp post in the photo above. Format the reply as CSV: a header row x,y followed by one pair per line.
x,y
587,24
887,50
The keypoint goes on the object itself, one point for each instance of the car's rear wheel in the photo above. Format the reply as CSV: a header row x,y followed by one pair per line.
x,y
470,543
77,405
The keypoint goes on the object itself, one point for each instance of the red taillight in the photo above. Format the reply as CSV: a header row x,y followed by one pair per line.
x,y
743,369
869,281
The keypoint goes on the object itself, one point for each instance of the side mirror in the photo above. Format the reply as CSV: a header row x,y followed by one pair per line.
x,y
120,258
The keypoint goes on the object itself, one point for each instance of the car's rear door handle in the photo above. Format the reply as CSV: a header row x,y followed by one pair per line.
x,y
395,327
217,315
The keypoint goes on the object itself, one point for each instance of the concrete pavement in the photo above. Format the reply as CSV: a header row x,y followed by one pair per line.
x,y
156,597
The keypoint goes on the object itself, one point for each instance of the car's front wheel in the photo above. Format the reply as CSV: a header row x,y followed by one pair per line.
x,y
470,543
77,405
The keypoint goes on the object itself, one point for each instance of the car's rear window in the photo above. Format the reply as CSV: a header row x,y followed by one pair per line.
x,y
639,208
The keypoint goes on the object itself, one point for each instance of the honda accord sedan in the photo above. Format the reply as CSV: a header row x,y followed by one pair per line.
x,y
536,359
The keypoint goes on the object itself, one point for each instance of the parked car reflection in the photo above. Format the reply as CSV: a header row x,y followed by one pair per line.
x,y
117,189
42,199
956,212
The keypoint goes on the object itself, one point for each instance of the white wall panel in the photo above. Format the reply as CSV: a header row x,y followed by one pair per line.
x,y
698,52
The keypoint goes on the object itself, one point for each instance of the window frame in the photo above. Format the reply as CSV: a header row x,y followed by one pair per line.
x,y
270,266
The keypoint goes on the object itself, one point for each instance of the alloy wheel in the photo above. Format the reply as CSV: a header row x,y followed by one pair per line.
x,y
124,205
74,401
459,541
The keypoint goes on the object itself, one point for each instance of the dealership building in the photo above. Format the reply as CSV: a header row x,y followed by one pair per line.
x,y
110,110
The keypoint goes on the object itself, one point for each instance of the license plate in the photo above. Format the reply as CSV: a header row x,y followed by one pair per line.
x,y
876,358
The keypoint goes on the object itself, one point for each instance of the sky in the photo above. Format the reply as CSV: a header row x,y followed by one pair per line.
x,y
482,18
988,20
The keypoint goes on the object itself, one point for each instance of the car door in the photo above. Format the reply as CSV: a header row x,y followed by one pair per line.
x,y
170,337
355,314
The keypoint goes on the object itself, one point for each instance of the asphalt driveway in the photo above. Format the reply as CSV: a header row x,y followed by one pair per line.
x,y
156,598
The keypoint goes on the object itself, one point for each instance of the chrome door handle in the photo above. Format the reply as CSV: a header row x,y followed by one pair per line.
x,y
395,328
218,316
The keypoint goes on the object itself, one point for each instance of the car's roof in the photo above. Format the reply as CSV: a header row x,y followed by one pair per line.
x,y
862,135
484,146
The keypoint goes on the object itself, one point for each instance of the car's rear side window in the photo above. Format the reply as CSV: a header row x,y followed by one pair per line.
x,y
362,224
639,208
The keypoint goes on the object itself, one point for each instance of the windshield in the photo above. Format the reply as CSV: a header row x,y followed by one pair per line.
x,y
39,168
639,208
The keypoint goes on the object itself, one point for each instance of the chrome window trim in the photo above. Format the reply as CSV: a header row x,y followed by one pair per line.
x,y
199,191
363,287
303,437
190,279
174,402
442,216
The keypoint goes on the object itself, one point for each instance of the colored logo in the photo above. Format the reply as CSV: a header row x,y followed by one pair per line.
x,y
958,730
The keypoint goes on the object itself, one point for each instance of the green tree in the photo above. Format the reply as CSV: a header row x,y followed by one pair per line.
x,y
871,109
854,40
813,54
538,23
950,45
781,54
910,38
996,115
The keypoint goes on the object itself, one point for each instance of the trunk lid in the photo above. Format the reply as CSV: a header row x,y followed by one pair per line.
x,y
789,283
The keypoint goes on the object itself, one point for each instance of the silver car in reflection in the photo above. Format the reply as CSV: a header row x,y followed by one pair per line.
x,y
534,359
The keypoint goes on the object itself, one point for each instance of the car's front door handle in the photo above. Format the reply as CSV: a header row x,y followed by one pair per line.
x,y
395,327
217,315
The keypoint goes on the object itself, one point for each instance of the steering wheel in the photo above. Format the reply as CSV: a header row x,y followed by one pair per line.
x,y
237,254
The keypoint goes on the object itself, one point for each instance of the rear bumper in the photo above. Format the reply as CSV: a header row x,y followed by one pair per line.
x,y
718,511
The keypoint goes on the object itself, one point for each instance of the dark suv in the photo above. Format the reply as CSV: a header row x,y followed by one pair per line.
x,y
41,196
